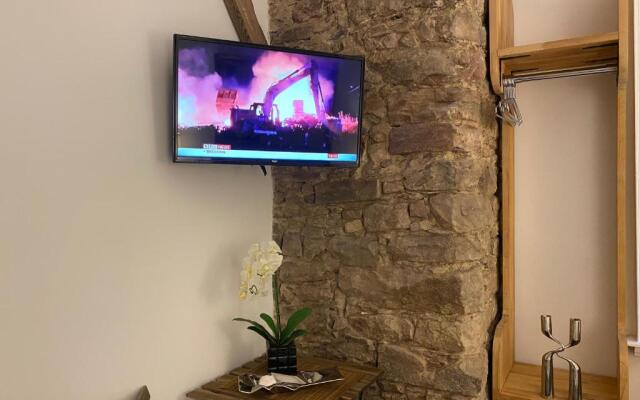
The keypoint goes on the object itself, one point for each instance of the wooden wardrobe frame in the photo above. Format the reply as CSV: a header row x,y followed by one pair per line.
x,y
517,381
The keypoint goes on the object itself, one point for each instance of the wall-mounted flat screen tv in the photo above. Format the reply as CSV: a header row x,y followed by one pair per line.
x,y
241,103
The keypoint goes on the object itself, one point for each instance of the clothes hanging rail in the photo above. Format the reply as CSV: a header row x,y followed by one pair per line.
x,y
508,109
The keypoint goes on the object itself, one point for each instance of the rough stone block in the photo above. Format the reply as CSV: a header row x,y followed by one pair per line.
x,y
314,242
300,270
357,251
346,191
463,212
388,328
454,334
353,349
353,226
393,187
415,106
415,392
418,65
309,292
419,209
317,217
375,105
352,213
413,289
378,153
380,132
414,138
435,247
424,225
292,244
467,26
403,364
438,175
385,217
467,376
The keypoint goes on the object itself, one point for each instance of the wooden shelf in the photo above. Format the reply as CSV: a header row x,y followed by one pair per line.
x,y
523,383
560,55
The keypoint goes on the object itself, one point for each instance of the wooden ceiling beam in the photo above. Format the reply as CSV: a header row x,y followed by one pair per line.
x,y
245,22
144,394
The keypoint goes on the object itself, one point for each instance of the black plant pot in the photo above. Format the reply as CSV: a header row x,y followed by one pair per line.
x,y
282,359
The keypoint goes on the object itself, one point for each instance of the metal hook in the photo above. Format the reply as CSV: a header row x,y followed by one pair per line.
x,y
507,108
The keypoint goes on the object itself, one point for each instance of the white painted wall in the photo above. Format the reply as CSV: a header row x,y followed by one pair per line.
x,y
118,268
565,174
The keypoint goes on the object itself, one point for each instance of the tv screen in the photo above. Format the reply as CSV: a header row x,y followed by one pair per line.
x,y
250,104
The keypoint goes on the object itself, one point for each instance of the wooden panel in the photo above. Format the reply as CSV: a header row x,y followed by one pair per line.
x,y
560,46
357,378
561,55
503,342
523,383
245,22
501,362
624,16
623,368
500,37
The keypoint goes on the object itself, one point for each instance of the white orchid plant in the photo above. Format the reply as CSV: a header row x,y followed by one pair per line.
x,y
260,265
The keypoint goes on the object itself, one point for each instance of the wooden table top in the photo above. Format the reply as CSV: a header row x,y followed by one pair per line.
x,y
356,379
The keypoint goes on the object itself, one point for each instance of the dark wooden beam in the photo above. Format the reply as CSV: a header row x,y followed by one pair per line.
x,y
243,17
144,394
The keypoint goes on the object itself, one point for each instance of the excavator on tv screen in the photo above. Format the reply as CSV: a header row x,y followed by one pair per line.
x,y
264,118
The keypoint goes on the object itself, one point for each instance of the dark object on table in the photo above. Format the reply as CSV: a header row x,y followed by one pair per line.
x,y
282,359
251,383
356,380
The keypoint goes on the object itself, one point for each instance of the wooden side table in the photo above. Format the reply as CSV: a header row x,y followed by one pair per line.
x,y
356,379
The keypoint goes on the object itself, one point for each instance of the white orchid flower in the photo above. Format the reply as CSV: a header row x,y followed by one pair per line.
x,y
270,247
262,261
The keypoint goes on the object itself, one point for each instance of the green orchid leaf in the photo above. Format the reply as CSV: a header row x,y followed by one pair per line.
x,y
295,334
258,327
245,320
254,323
262,333
295,320
267,318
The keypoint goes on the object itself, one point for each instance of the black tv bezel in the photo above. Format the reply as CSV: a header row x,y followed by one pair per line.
x,y
254,161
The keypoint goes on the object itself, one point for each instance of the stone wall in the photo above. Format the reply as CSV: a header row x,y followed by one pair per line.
x,y
398,257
